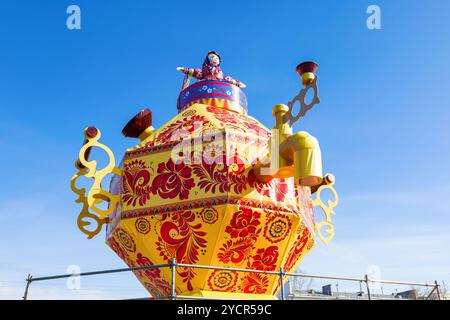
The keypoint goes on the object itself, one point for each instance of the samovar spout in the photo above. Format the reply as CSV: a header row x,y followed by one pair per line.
x,y
303,150
291,155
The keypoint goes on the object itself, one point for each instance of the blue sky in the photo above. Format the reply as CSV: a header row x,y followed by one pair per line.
x,y
383,120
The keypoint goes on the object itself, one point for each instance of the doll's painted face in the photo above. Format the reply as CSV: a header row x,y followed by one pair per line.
x,y
213,59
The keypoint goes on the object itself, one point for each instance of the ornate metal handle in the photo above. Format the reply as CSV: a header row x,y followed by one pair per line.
x,y
96,194
327,209
304,106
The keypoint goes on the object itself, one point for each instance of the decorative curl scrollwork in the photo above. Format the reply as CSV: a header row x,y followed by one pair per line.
x,y
326,226
304,107
96,194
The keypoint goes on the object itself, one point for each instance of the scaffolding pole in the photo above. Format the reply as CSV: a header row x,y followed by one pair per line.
x,y
29,279
173,265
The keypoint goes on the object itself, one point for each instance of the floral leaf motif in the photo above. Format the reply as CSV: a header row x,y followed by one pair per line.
x,y
236,177
117,248
216,173
181,239
297,249
212,176
179,129
277,189
265,259
173,180
223,115
143,261
244,223
254,283
158,287
238,121
236,251
151,278
136,188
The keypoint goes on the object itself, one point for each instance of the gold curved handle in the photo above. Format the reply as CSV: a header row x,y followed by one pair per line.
x,y
96,194
326,226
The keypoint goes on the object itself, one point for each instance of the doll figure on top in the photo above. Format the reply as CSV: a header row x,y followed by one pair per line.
x,y
210,70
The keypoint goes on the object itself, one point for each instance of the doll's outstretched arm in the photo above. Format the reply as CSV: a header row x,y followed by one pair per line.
x,y
235,82
196,73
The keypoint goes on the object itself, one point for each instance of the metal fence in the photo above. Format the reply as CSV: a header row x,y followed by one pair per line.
x,y
173,265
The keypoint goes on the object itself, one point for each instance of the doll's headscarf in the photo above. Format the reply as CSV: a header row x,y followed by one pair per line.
x,y
208,69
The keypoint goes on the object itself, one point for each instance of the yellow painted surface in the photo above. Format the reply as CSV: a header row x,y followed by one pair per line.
x,y
188,192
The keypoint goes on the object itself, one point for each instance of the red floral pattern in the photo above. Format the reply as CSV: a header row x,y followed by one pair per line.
x,y
216,173
180,129
277,227
297,249
222,280
125,239
189,113
181,239
277,189
136,178
254,283
173,180
236,251
212,153
223,115
236,121
142,225
158,288
145,262
256,127
244,223
209,215
303,194
117,248
265,259
212,174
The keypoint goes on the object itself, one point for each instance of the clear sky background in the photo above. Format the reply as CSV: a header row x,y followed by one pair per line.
x,y
383,121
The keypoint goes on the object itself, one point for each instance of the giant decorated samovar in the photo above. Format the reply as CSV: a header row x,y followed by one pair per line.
x,y
211,187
